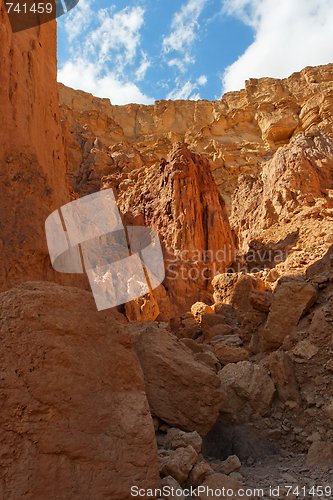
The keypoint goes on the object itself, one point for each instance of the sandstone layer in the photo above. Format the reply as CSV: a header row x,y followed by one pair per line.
x,y
32,158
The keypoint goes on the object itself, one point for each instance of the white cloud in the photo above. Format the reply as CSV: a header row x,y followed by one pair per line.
x,y
145,63
104,53
117,37
78,19
74,73
188,90
289,35
184,32
202,80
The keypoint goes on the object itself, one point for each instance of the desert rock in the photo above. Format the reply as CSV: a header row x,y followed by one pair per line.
x,y
32,157
178,463
249,390
73,399
280,323
168,365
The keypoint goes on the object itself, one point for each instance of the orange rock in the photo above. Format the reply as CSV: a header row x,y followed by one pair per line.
x,y
248,388
230,354
282,372
181,201
199,309
75,421
181,391
32,158
291,300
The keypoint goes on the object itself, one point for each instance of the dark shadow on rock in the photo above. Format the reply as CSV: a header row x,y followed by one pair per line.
x,y
267,255
242,440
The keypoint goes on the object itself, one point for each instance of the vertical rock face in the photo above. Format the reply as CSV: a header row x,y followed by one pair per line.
x,y
180,199
32,163
287,208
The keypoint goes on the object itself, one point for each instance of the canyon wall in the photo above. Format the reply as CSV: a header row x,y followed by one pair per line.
x,y
32,158
269,148
237,134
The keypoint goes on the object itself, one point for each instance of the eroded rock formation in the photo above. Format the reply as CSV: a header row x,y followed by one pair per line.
x,y
238,134
180,199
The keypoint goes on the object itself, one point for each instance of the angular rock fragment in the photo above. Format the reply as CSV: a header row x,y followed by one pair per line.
x,y
181,390
249,390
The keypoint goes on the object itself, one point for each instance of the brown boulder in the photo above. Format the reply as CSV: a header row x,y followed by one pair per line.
x,y
75,421
199,309
248,389
142,309
181,391
230,354
210,333
213,325
231,464
291,300
199,473
176,438
304,351
177,463
209,359
282,372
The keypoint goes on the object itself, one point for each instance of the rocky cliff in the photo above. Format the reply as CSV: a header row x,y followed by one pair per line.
x,y
32,158
237,134
269,148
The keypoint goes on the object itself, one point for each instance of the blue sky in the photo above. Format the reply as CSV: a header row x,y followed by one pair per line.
x,y
145,50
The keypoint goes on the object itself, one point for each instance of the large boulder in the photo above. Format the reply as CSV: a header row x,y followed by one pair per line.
x,y
282,371
247,295
181,391
75,421
249,390
292,298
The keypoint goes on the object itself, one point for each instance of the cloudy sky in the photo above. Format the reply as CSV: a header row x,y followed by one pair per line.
x,y
145,50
